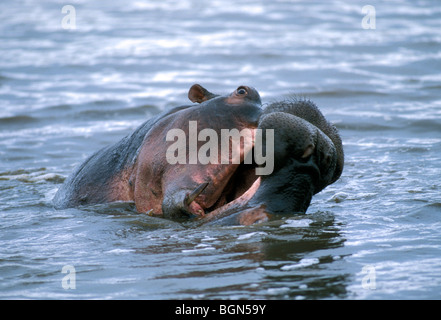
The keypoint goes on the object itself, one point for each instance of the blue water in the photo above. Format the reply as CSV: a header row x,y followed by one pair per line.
x,y
65,93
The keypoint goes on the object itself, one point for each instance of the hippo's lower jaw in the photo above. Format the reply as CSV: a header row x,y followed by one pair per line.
x,y
241,211
233,185
288,191
235,206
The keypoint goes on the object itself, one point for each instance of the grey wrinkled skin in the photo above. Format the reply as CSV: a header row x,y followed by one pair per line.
x,y
307,110
300,125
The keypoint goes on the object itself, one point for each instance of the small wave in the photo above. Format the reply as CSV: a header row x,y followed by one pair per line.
x,y
426,125
250,235
295,223
4,78
339,197
118,208
197,250
429,212
110,113
59,107
119,251
18,119
69,130
345,93
306,262
359,126
32,177
434,86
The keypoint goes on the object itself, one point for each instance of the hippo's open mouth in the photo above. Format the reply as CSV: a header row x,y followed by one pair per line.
x,y
232,184
239,183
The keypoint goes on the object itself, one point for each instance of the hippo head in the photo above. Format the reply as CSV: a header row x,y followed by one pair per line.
x,y
198,168
223,159
305,149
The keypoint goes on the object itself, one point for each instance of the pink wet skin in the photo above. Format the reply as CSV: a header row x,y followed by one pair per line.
x,y
161,188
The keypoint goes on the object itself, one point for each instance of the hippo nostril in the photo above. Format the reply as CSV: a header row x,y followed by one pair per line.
x,y
241,91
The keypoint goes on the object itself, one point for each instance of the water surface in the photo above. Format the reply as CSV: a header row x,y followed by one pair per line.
x,y
66,93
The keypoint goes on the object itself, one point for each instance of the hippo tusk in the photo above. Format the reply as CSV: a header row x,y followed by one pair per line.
x,y
190,198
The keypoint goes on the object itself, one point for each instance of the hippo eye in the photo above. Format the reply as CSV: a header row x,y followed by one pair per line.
x,y
241,91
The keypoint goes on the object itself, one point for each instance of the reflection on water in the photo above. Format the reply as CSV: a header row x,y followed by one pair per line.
x,y
282,259
66,93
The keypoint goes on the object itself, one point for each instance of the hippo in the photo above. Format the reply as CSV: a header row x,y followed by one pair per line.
x,y
307,153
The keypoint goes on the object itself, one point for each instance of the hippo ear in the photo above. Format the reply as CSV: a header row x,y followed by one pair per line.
x,y
199,94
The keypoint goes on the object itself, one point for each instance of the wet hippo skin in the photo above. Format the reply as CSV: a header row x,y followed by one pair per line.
x,y
307,152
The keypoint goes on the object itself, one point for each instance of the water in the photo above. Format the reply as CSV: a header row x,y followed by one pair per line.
x,y
374,234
